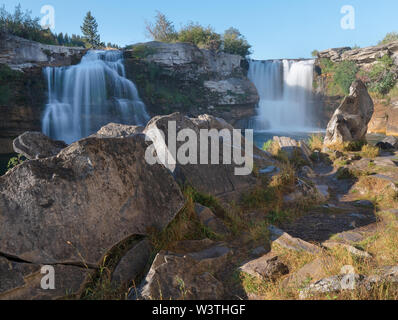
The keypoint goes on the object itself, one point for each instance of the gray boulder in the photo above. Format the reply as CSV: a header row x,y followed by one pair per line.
x,y
268,267
190,276
132,264
22,281
36,145
388,143
116,130
350,121
73,208
216,179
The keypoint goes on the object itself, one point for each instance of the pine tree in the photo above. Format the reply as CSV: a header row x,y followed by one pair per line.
x,y
90,31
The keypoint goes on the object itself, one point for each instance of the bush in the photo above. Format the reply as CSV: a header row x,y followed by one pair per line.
x,y
235,43
390,37
203,37
315,142
382,77
369,151
345,75
21,24
162,30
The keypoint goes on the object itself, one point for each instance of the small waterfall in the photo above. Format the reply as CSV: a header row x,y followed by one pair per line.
x,y
285,90
84,97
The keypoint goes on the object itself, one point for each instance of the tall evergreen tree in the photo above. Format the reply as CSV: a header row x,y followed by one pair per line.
x,y
90,31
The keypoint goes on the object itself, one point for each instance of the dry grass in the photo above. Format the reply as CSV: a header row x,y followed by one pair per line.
x,y
369,151
315,142
382,245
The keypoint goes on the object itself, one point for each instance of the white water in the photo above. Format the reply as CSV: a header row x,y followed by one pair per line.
x,y
84,97
285,90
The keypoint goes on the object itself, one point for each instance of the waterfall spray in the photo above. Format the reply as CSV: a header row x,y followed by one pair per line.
x,y
285,90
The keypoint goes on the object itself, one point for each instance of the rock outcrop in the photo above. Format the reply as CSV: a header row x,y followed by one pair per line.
x,y
21,54
181,77
36,145
217,179
361,56
350,121
74,207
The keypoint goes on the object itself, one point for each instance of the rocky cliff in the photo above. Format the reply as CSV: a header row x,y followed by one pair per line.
x,y
22,85
181,77
385,118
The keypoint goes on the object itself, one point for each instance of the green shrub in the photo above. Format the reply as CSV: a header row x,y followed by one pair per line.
x,y
390,37
345,75
203,37
15,161
235,43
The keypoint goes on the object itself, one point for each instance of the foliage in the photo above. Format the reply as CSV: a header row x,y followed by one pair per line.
x,y
15,161
90,31
345,75
21,24
203,37
162,30
382,77
235,43
232,41
390,37
315,53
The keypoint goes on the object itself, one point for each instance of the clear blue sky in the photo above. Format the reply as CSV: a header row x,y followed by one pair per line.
x,y
275,28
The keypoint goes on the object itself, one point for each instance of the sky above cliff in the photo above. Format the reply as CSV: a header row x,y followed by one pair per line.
x,y
276,29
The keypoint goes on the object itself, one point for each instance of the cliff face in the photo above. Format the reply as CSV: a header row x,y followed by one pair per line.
x,y
181,77
22,85
385,118
21,54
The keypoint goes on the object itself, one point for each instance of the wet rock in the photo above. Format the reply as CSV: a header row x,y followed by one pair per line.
x,y
190,276
91,196
268,267
36,145
209,220
350,121
132,264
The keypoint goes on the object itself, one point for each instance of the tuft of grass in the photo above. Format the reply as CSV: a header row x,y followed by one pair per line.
x,y
315,142
369,151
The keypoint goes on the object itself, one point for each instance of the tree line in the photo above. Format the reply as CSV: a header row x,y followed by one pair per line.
x,y
232,41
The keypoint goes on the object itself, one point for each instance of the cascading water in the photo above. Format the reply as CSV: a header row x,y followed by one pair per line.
x,y
84,97
285,90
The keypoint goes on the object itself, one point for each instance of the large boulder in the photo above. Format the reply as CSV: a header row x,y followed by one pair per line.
x,y
350,121
216,179
117,130
74,207
36,145
22,281
186,276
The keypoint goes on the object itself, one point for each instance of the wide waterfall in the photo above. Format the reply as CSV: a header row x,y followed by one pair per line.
x,y
285,90
84,97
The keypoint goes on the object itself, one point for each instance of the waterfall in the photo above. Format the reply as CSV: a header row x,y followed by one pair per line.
x,y
84,97
285,90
